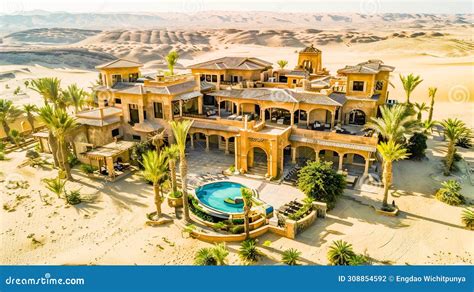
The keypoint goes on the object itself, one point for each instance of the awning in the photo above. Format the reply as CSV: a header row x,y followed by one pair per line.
x,y
187,96
147,127
110,150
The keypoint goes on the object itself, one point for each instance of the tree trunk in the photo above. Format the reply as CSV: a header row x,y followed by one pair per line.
x,y
183,167
64,162
449,158
156,189
387,181
6,129
246,222
53,144
174,187
31,121
430,115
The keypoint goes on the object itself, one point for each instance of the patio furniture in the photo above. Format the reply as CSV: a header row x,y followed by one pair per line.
x,y
232,117
280,121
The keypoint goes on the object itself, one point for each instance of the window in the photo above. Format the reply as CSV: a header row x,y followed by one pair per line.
x,y
222,77
358,86
118,101
379,85
133,110
116,78
294,81
144,115
132,77
214,78
115,132
158,110
136,137
208,78
203,77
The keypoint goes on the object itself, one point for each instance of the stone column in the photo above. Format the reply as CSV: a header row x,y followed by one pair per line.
x,y
207,143
333,115
238,109
262,114
366,167
191,139
292,122
227,146
200,104
180,108
141,116
109,161
341,158
219,106
293,155
317,154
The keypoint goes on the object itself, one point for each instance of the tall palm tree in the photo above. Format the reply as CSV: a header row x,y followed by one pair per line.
x,y
180,132
420,108
49,88
410,82
454,129
394,123
282,63
172,59
8,114
75,96
172,153
29,110
155,169
247,198
431,94
62,126
391,151
46,115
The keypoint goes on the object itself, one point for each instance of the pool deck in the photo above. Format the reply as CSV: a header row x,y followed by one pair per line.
x,y
215,161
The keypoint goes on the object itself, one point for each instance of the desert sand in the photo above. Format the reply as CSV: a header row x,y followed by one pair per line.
x,y
111,228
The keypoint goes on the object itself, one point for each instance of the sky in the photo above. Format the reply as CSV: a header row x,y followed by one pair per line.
x,y
357,6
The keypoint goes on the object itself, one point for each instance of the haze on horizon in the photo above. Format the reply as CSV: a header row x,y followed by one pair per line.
x,y
186,6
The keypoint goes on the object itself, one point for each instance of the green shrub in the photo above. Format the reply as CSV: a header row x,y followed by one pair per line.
x,y
359,260
232,168
32,154
237,229
450,194
219,226
197,210
73,197
176,195
319,181
305,210
249,252
467,217
87,168
340,253
72,160
290,257
416,146
2,155
215,256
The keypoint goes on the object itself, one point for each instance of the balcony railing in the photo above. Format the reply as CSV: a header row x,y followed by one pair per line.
x,y
336,137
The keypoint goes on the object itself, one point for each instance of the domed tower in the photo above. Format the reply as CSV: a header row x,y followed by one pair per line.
x,y
309,59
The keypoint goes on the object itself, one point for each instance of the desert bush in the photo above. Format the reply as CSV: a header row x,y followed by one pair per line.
x,y
73,197
416,146
72,160
249,252
340,253
449,193
290,257
467,217
87,168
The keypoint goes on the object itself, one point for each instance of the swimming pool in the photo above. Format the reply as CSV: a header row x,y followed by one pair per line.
x,y
213,195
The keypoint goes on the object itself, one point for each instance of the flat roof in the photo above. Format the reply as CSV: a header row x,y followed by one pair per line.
x,y
111,149
119,63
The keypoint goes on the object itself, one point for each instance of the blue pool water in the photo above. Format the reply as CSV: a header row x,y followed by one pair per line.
x,y
214,194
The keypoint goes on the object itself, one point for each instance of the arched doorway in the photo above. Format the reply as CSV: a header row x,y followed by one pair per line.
x,y
301,118
319,119
353,163
304,153
257,161
357,117
331,156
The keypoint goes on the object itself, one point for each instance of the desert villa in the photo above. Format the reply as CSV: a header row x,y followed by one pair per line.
x,y
269,119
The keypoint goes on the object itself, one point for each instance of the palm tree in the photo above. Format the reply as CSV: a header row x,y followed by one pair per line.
x,y
420,108
391,151
454,129
155,169
340,253
55,185
75,96
172,59
61,126
247,198
46,115
394,123
49,88
180,132
282,63
172,153
410,82
29,110
249,252
431,93
8,114
291,256
215,256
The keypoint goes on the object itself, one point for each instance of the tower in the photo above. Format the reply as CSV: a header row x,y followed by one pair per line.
x,y
309,59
